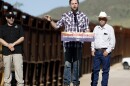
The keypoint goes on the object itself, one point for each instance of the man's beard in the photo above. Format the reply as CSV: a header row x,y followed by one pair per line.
x,y
74,11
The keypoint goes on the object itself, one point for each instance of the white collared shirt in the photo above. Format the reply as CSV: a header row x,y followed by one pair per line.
x,y
104,38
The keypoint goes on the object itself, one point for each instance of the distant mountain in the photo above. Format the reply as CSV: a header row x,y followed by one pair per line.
x,y
119,10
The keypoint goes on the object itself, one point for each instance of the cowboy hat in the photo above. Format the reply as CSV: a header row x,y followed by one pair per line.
x,y
103,14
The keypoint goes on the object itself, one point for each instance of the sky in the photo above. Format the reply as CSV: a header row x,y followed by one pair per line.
x,y
38,7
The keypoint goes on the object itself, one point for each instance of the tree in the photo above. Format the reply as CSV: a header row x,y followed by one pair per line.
x,y
17,5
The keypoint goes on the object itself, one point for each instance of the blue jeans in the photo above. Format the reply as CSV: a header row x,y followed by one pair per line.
x,y
97,61
72,59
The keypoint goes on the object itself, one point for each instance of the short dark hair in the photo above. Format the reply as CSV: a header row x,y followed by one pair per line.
x,y
71,0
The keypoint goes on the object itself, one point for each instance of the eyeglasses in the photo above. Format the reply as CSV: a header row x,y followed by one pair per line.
x,y
104,19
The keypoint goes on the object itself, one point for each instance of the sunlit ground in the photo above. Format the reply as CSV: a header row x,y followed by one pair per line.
x,y
118,77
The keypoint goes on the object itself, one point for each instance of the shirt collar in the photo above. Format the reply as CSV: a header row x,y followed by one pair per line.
x,y
78,12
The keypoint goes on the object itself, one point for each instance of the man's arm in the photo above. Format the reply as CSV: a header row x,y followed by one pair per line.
x,y
11,45
92,45
48,18
3,42
87,24
20,40
112,40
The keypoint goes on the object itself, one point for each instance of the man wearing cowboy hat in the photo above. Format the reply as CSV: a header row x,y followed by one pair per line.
x,y
11,38
101,49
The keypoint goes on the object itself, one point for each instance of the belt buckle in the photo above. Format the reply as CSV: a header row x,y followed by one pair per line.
x,y
101,49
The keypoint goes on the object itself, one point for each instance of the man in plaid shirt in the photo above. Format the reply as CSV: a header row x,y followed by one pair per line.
x,y
73,21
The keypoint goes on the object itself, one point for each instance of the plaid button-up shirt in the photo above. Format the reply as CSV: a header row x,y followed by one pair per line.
x,y
68,21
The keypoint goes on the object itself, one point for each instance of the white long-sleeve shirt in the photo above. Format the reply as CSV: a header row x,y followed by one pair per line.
x,y
104,38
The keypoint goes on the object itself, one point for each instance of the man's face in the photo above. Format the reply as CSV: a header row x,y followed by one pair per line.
x,y
102,21
74,5
10,20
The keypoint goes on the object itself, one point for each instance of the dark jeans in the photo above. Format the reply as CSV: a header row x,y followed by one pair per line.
x,y
73,54
97,61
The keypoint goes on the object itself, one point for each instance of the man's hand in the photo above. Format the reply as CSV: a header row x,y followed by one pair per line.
x,y
87,30
93,53
11,46
47,17
105,53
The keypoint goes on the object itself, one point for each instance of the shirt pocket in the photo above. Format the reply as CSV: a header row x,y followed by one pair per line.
x,y
68,24
81,23
105,36
68,21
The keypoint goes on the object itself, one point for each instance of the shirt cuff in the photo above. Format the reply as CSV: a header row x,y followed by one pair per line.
x,y
92,49
108,50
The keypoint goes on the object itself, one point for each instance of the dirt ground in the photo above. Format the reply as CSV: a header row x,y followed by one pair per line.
x,y
118,77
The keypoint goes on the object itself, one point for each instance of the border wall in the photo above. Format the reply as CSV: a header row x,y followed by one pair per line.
x,y
43,50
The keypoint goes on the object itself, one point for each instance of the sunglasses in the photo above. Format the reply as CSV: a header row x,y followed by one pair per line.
x,y
10,16
104,19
